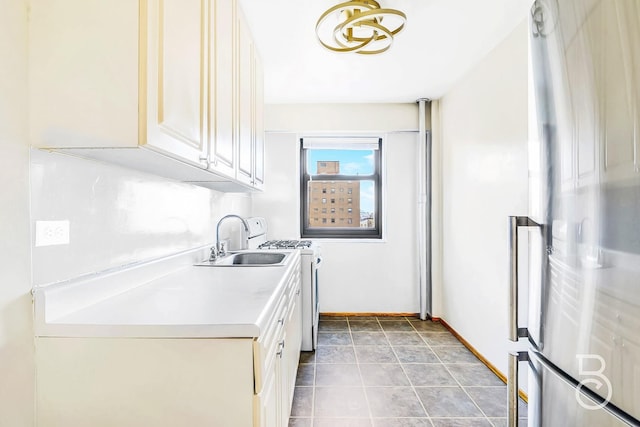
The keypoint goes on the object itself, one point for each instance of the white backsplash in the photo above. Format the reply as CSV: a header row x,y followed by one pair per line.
x,y
117,216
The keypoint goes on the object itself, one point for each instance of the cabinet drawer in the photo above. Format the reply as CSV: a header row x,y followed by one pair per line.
x,y
266,346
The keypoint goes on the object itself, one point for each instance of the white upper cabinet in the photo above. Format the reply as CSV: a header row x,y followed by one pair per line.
x,y
176,80
83,73
222,117
258,122
166,77
250,109
245,101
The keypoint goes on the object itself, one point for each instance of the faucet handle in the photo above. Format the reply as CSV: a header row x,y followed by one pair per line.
x,y
222,250
213,255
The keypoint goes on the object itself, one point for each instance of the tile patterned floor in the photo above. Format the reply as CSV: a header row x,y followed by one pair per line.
x,y
395,372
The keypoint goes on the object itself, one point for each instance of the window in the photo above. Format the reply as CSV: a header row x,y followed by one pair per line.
x,y
350,165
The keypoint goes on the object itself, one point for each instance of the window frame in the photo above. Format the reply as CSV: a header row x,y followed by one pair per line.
x,y
340,232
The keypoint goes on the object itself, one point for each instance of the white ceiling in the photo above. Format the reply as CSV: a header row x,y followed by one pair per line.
x,y
442,39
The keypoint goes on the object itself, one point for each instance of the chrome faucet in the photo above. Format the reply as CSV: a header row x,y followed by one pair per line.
x,y
219,250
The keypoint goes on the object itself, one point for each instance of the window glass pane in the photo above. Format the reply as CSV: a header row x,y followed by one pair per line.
x,y
340,162
341,187
355,211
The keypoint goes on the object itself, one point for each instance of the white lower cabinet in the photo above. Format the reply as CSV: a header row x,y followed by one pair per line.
x,y
279,354
170,382
124,382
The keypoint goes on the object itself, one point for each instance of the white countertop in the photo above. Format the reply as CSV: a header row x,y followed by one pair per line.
x,y
193,301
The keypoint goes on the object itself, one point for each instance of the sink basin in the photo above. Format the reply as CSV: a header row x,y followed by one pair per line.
x,y
248,259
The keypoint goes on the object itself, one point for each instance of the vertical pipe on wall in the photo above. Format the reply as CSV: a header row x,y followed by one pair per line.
x,y
424,211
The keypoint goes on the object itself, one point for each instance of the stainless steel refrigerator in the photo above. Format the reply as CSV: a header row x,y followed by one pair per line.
x,y
583,327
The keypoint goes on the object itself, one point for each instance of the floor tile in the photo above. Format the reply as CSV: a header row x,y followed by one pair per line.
x,y
401,422
394,402
427,325
333,325
440,338
364,325
369,338
474,375
447,402
335,354
461,422
396,325
493,401
342,422
307,356
394,372
405,338
337,375
302,402
340,402
306,374
433,374
375,354
388,374
334,338
300,422
502,422
455,354
415,354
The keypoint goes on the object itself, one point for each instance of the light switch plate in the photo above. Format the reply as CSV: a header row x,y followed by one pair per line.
x,y
50,233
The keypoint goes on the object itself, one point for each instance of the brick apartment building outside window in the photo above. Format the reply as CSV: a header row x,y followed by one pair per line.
x,y
341,187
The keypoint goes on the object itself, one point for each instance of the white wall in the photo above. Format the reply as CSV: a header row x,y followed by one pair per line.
x,y
16,326
362,276
484,131
118,216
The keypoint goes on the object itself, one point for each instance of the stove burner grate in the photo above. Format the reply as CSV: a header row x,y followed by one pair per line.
x,y
285,244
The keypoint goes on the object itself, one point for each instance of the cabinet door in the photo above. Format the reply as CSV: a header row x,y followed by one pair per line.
x,y
245,101
176,60
291,353
284,406
222,153
258,123
266,409
83,73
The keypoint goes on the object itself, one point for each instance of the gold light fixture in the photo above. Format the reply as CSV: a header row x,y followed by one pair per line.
x,y
356,26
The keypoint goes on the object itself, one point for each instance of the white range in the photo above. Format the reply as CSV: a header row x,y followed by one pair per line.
x,y
310,260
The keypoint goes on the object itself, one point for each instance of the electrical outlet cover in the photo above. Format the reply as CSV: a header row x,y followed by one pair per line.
x,y
50,233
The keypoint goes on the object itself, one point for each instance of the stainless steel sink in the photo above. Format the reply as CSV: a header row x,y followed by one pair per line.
x,y
248,259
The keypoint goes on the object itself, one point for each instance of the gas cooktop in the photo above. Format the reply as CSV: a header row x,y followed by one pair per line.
x,y
285,244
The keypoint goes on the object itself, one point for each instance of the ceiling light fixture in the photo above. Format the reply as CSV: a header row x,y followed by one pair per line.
x,y
356,26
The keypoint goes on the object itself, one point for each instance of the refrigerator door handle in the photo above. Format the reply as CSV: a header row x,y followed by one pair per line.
x,y
515,222
512,385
